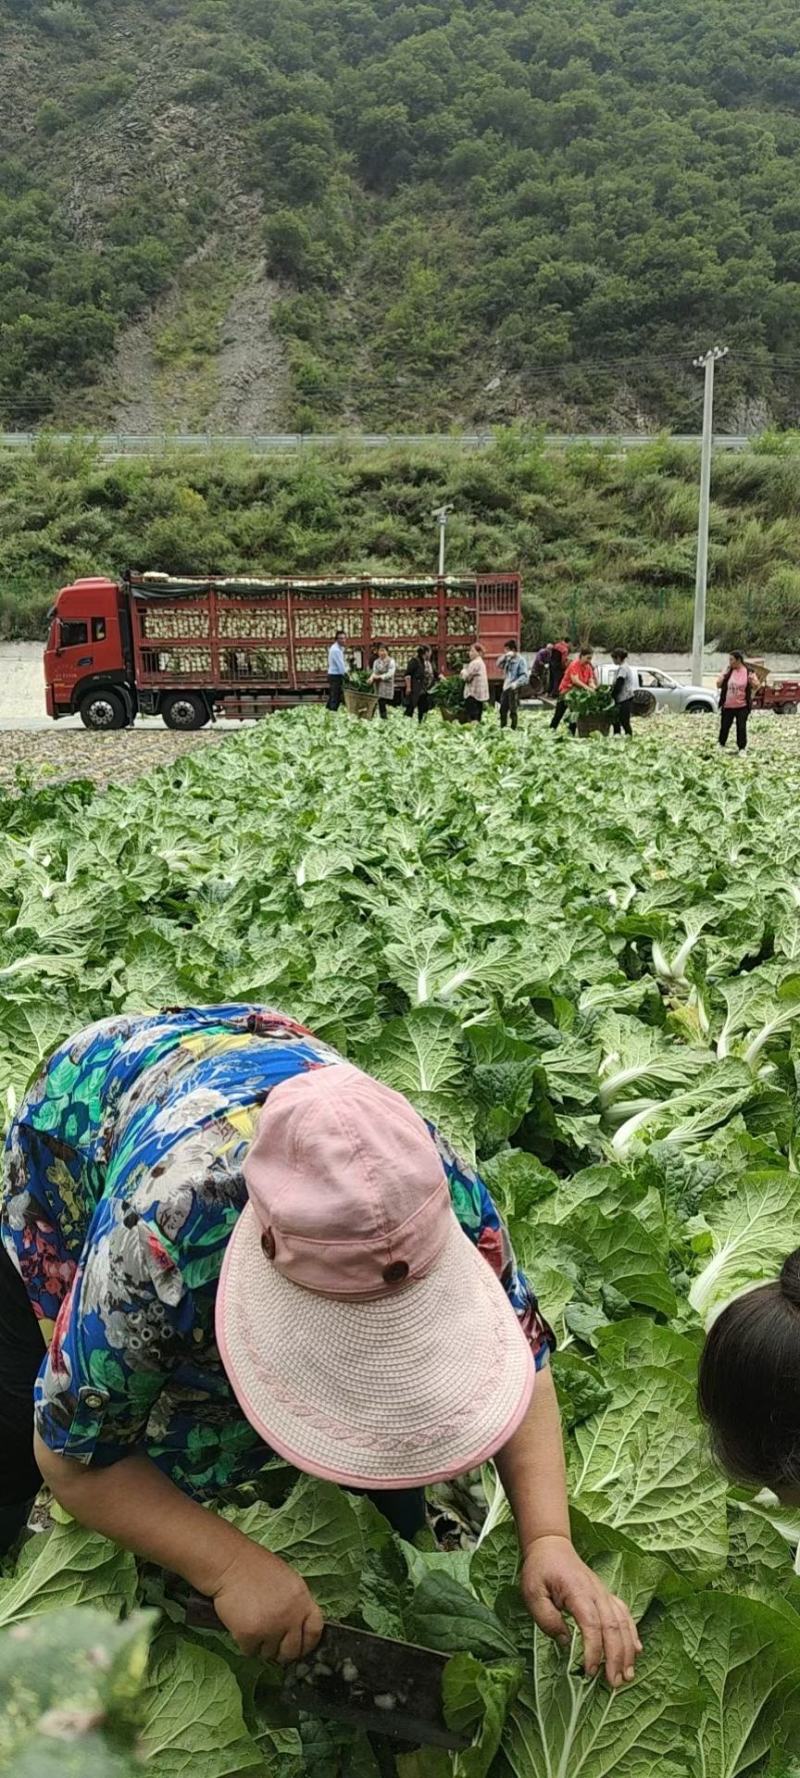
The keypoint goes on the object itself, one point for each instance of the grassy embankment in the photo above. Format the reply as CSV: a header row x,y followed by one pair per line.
x,y
605,541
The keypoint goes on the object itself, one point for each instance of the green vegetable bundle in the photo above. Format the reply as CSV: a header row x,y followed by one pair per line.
x,y
448,693
595,700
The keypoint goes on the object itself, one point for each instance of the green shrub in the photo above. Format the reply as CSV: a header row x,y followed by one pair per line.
x,y
64,20
94,95
51,117
289,246
756,548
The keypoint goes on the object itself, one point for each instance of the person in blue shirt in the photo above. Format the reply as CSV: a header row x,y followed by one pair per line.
x,y
337,671
515,677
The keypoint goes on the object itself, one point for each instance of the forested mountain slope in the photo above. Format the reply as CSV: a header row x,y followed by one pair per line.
x,y
256,213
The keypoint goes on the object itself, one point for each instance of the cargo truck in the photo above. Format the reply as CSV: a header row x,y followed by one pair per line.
x,y
191,649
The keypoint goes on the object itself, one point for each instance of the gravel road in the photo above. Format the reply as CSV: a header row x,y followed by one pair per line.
x,y
33,745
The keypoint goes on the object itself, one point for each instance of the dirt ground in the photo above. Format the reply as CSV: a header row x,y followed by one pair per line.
x,y
34,757
34,748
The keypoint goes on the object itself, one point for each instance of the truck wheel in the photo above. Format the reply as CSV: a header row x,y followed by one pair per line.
x,y
104,709
185,710
698,709
789,709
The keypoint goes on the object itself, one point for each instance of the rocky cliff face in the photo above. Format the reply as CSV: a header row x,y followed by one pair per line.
x,y
202,354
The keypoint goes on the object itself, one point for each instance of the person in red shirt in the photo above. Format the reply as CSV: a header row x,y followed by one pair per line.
x,y
578,672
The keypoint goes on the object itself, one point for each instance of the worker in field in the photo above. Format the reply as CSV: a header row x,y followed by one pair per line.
x,y
540,670
749,1385
337,671
420,679
382,677
476,684
559,656
515,677
220,1241
624,687
579,672
735,700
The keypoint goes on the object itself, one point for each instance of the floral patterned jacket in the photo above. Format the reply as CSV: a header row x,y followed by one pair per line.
x,y
123,1180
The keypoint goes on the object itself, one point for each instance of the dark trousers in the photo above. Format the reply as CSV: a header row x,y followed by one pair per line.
x,y
335,690
473,709
509,706
383,705
622,716
418,705
559,713
403,1507
21,1353
726,722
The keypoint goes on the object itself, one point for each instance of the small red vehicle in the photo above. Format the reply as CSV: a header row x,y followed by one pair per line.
x,y
190,649
780,695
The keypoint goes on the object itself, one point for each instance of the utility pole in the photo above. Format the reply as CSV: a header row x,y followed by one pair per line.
x,y
708,362
441,516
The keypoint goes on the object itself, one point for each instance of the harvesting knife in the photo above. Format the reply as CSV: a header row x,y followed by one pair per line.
x,y
386,1688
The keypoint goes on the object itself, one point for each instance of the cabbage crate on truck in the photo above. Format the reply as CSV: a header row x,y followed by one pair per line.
x,y
190,649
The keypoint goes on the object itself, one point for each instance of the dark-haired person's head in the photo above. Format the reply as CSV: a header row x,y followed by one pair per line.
x,y
340,636
618,655
424,652
749,1385
736,657
586,654
511,646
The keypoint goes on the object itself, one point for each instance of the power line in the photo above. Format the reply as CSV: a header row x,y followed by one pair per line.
x,y
565,366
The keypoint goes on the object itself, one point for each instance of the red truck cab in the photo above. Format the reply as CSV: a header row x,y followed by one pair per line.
x,y
88,650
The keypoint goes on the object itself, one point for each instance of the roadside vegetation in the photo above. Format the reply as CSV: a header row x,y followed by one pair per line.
x,y
605,541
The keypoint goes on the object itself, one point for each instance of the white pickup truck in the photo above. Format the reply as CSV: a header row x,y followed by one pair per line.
x,y
669,694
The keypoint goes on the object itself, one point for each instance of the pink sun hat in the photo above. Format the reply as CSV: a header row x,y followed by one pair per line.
x,y
365,1337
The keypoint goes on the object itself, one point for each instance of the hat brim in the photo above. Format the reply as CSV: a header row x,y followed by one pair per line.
x,y
400,1391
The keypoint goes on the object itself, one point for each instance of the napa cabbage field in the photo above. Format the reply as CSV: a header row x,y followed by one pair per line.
x,y
582,959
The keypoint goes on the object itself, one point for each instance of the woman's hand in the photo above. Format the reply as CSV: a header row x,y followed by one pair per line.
x,y
555,1580
267,1607
264,1603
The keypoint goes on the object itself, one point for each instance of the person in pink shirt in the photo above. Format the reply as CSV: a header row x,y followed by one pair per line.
x,y
735,700
476,684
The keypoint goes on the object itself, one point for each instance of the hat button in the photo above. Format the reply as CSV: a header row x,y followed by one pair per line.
x,y
268,1244
396,1273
